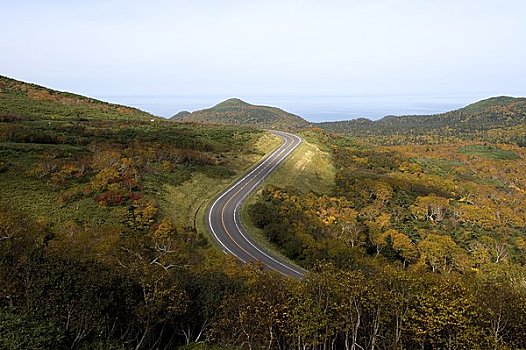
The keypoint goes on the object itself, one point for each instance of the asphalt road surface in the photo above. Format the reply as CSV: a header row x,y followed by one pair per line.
x,y
223,218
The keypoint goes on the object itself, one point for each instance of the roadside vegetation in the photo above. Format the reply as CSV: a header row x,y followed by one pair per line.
x,y
307,169
447,216
102,244
421,206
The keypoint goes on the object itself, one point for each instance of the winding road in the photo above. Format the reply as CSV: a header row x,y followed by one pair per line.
x,y
223,219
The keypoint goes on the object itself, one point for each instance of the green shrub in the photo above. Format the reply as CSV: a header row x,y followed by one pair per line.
x,y
23,332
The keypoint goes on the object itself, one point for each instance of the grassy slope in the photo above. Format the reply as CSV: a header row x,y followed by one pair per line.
x,y
308,168
74,122
32,195
179,192
186,203
34,101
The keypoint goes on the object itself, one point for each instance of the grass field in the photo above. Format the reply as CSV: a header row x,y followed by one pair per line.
x,y
489,152
307,169
40,200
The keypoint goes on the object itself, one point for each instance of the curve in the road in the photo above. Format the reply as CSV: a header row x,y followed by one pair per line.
x,y
223,219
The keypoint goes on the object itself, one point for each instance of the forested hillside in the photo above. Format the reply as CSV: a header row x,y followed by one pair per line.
x,y
453,207
448,217
102,240
498,119
237,112
99,218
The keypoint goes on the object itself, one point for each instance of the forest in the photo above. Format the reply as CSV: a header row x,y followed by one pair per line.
x,y
414,246
497,120
54,300
406,203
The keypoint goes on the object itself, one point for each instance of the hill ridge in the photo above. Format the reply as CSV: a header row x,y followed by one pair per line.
x,y
35,101
235,111
232,102
501,113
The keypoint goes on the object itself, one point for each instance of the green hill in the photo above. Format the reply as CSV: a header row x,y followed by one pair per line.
x,y
180,115
491,102
103,242
501,118
99,203
237,112
232,103
26,100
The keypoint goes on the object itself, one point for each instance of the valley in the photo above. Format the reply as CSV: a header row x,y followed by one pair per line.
x,y
404,233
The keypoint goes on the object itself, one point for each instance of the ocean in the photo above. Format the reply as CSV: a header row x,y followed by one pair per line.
x,y
312,108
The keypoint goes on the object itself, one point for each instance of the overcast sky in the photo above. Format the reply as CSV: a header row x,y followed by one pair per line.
x,y
267,48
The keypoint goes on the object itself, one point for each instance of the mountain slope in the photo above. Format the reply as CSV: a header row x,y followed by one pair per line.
x,y
28,100
237,112
506,115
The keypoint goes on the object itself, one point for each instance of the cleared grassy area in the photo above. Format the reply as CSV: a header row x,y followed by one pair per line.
x,y
38,199
436,166
307,169
186,204
182,203
489,152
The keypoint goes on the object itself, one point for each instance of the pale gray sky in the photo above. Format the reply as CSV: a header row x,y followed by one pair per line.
x,y
267,48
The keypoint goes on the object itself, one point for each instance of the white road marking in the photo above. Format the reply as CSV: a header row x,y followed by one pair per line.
x,y
264,163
